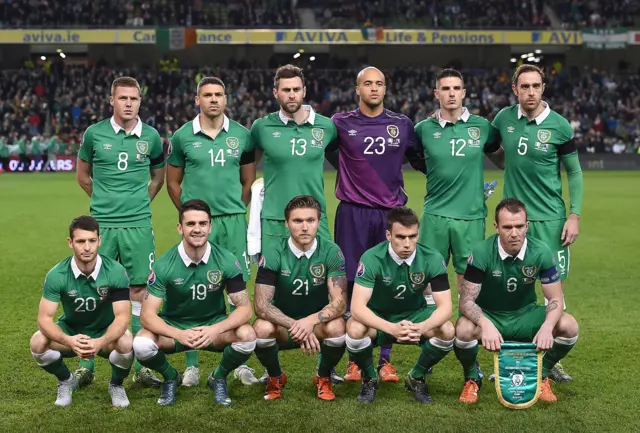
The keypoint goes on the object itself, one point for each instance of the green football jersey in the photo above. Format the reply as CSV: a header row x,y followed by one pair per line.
x,y
293,158
398,285
4,149
300,278
509,283
35,147
454,153
121,166
86,300
211,167
193,292
532,160
22,146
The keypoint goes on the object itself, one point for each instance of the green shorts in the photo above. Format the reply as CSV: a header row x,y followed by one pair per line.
x,y
230,232
133,247
274,230
452,237
550,232
520,325
182,326
68,330
384,339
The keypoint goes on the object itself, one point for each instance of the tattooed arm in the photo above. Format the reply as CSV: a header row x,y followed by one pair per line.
x,y
266,310
338,305
468,294
553,293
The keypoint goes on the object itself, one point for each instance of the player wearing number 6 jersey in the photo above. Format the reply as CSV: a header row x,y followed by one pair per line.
x,y
188,281
373,144
536,140
121,167
212,159
292,143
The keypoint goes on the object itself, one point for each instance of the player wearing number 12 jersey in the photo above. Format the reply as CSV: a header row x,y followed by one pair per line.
x,y
116,159
372,146
292,143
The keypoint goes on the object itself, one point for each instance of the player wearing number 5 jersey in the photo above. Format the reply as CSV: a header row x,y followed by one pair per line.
x,y
189,281
121,167
536,140
212,159
292,143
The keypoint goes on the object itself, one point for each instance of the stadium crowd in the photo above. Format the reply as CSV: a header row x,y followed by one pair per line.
x,y
597,13
603,108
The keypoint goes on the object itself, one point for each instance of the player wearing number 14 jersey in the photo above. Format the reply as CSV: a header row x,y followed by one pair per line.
x,y
372,146
116,160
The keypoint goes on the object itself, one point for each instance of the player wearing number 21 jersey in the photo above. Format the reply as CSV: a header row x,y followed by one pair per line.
x,y
292,143
121,167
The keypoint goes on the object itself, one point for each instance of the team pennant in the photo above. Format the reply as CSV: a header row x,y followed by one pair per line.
x,y
518,370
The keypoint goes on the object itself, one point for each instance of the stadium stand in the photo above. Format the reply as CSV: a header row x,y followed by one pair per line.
x,y
597,13
602,108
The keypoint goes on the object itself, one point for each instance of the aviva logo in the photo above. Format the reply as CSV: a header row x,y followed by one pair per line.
x,y
331,36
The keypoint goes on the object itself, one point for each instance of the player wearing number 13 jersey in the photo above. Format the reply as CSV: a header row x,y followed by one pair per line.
x,y
121,167
292,142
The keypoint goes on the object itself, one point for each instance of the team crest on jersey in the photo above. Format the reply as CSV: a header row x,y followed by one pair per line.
x,y
317,133
317,270
544,135
103,292
152,277
232,142
361,269
393,131
142,147
529,271
416,277
474,133
214,277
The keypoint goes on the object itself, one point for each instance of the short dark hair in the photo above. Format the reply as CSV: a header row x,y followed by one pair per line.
x,y
449,72
287,71
210,80
84,222
194,204
512,204
526,68
302,202
402,215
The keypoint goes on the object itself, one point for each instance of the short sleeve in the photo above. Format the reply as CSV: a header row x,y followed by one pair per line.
x,y
270,260
478,258
412,136
52,287
565,145
120,278
366,272
156,283
418,131
497,121
249,147
157,152
85,152
230,266
332,133
176,154
548,271
255,135
335,262
493,139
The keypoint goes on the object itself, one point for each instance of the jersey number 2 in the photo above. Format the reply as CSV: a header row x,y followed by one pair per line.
x,y
401,289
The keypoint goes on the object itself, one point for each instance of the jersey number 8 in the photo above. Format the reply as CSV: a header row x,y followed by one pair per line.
x,y
123,161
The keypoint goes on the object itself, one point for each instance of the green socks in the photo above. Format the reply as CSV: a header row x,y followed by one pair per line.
x,y
89,364
432,351
561,347
467,354
159,363
361,352
331,352
267,353
192,358
58,369
233,357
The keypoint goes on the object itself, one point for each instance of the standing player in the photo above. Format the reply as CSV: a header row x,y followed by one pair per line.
x,y
295,279
293,142
536,140
373,143
498,299
94,292
212,159
188,282
389,305
115,161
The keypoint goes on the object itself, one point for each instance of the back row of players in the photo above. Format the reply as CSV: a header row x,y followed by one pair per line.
x,y
118,154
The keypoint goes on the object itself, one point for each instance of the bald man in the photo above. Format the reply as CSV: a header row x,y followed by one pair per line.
x,y
373,143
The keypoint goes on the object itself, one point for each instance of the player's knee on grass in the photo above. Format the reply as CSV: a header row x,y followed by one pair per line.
x,y
39,343
335,328
566,327
356,330
144,347
245,333
264,329
466,330
445,332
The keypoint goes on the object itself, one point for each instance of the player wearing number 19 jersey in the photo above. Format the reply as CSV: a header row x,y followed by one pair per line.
x,y
372,146
292,142
116,159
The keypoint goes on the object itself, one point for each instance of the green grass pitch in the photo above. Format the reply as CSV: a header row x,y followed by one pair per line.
x,y
602,292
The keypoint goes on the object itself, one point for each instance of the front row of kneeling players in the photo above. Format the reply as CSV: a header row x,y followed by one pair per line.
x,y
294,283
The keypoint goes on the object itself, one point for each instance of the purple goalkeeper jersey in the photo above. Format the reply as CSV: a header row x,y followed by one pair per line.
x,y
372,151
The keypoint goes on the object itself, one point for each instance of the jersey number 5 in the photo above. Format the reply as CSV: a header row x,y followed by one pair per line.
x,y
522,146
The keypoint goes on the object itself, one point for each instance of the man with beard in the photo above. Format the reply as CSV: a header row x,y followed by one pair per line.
x,y
372,146
211,158
188,282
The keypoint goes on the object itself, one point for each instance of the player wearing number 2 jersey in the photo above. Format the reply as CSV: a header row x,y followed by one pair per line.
x,y
372,146
292,142
116,159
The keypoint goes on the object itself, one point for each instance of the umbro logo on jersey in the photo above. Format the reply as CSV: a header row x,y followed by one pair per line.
x,y
73,293
497,273
197,144
178,281
276,134
107,146
352,133
510,129
437,135
286,273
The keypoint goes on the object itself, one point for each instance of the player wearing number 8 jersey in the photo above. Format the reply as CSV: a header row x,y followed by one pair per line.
x,y
121,167
188,281
292,143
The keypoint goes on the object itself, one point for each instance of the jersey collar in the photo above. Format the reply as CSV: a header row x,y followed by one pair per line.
x,y
311,119
117,128
504,254
187,260
197,128
464,117
298,253
396,258
545,113
77,272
